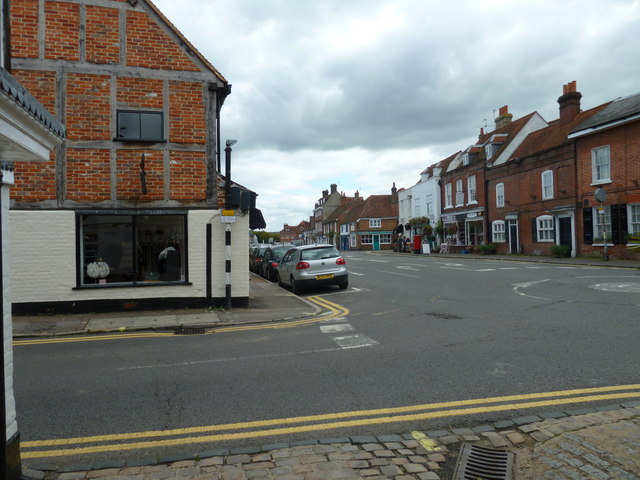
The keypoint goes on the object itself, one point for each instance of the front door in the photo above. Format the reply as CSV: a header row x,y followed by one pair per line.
x,y
564,224
513,237
376,242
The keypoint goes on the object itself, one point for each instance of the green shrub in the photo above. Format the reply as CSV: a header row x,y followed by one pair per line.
x,y
561,250
489,249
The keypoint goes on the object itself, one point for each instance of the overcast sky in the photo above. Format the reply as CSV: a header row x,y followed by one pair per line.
x,y
364,93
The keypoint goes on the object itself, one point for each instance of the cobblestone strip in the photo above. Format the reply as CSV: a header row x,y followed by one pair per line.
x,y
596,444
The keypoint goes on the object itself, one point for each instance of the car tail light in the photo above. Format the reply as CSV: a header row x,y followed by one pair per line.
x,y
340,261
274,264
302,265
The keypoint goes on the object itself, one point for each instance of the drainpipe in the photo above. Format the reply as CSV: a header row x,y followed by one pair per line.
x,y
3,406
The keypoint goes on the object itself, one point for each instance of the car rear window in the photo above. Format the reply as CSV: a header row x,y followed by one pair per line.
x,y
319,253
279,251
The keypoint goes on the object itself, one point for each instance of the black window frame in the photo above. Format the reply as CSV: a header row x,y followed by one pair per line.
x,y
133,214
139,138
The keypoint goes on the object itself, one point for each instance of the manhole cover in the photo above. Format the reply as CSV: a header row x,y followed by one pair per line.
x,y
481,463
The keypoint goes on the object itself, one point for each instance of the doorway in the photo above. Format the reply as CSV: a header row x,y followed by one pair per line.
x,y
376,242
564,231
513,237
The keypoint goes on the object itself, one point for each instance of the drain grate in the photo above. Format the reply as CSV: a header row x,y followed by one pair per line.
x,y
480,463
189,331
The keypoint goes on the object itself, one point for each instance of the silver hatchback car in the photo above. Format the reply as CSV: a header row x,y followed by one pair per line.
x,y
309,265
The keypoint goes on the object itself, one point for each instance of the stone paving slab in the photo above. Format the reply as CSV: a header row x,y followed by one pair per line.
x,y
595,445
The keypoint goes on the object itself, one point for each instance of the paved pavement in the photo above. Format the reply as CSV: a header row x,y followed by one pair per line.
x,y
586,443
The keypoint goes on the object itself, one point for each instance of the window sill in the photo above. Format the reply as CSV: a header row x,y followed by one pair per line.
x,y
601,244
139,140
601,182
474,202
131,285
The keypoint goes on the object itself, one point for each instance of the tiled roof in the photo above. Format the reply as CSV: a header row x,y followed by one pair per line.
x,y
379,206
441,164
615,111
346,205
354,213
20,95
510,130
553,135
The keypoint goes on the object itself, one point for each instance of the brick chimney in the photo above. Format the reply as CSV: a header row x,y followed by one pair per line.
x,y
504,117
569,103
394,193
325,193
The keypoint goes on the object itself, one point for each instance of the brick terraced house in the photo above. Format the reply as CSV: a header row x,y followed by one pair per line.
x,y
532,200
131,199
608,159
464,193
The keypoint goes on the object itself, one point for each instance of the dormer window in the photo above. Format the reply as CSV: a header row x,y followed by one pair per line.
x,y
466,159
490,149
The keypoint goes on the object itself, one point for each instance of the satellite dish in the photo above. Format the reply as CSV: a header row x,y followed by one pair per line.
x,y
600,195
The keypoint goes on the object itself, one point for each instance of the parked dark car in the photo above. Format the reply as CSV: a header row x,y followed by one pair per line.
x,y
255,258
271,260
311,265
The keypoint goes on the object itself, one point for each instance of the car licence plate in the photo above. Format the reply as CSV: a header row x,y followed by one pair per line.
x,y
323,277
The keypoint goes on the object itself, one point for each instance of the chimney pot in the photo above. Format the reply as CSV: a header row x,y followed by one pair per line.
x,y
569,103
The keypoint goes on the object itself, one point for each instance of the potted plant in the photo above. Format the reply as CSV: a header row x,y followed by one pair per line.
x,y
561,251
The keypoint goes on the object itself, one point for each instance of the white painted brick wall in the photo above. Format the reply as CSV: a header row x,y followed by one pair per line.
x,y
10,404
43,259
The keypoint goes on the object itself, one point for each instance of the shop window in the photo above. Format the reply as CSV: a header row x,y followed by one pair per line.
x,y
385,238
140,126
118,249
366,239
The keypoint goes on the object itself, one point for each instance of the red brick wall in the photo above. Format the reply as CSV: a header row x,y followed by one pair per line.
x,y
42,85
88,174
624,143
148,46
24,28
186,113
139,92
102,34
88,115
188,176
34,182
128,175
62,32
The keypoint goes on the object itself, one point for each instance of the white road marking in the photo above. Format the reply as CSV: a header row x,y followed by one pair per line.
x,y
517,286
406,267
380,261
233,359
343,327
356,274
334,320
396,273
509,268
617,287
354,341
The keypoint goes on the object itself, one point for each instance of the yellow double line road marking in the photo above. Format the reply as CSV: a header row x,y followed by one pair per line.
x,y
334,309
317,423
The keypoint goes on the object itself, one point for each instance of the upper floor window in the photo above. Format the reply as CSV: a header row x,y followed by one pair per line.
x,y
547,185
140,126
375,223
498,231
459,193
448,196
545,228
500,195
601,164
489,150
466,159
471,183
416,207
429,201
